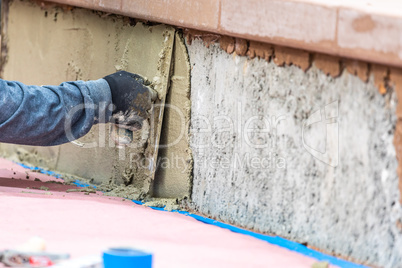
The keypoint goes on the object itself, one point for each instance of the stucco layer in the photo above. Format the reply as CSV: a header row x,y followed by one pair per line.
x,y
298,154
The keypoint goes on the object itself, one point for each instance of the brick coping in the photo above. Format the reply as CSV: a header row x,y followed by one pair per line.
x,y
365,30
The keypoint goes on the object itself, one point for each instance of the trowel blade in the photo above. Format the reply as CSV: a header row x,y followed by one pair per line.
x,y
161,85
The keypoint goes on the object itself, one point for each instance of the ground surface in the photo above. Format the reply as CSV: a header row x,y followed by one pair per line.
x,y
82,225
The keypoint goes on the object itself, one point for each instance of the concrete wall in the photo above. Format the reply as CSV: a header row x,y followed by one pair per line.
x,y
297,154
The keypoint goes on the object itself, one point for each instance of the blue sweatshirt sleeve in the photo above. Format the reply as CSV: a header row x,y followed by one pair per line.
x,y
52,115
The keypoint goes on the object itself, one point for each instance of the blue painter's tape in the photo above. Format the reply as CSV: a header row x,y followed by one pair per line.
x,y
279,241
137,202
126,258
275,240
77,183
81,184
40,170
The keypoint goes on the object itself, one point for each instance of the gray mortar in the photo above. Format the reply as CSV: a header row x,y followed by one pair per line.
x,y
351,209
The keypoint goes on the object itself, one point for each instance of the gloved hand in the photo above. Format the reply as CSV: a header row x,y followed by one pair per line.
x,y
131,97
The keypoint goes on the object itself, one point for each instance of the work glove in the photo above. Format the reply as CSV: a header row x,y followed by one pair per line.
x,y
132,99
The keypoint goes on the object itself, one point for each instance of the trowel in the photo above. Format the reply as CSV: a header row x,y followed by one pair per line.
x,y
124,137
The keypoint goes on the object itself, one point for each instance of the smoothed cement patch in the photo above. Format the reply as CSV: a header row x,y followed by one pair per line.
x,y
254,130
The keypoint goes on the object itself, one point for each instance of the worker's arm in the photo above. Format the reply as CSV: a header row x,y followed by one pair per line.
x,y
52,115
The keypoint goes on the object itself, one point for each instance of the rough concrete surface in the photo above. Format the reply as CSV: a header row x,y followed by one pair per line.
x,y
265,159
52,45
